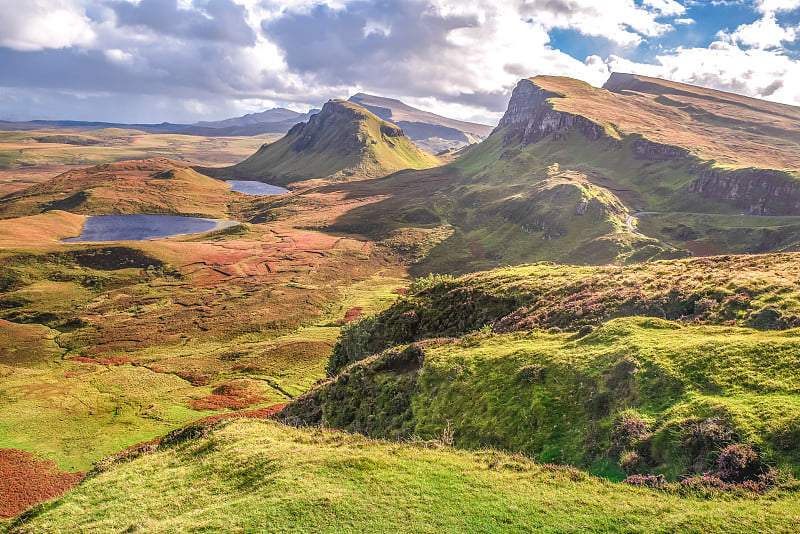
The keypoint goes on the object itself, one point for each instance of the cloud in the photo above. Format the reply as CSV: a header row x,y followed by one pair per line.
x,y
210,20
771,6
467,52
40,24
171,59
763,33
620,21
754,72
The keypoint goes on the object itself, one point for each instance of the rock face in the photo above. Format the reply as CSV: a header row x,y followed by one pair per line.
x,y
327,127
755,191
531,118
646,149
535,114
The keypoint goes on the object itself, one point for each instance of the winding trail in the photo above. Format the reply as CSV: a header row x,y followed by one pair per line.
x,y
629,220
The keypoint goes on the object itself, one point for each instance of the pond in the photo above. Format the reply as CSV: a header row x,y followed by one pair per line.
x,y
251,187
143,227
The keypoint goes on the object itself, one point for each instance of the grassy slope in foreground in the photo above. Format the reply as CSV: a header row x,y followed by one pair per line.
x,y
637,396
342,140
280,479
674,393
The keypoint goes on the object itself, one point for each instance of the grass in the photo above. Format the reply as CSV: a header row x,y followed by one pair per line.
x,y
341,142
290,480
704,235
274,330
553,360
561,399
753,291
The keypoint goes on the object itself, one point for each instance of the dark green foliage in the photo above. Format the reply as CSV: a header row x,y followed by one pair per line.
x,y
542,296
371,397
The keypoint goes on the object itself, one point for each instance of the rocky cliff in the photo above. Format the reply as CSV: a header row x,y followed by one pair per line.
x,y
630,113
530,117
755,191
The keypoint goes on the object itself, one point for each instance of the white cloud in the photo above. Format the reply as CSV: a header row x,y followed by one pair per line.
x,y
620,21
763,33
758,73
39,24
771,6
459,58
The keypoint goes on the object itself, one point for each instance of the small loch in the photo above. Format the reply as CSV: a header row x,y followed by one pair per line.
x,y
142,227
251,187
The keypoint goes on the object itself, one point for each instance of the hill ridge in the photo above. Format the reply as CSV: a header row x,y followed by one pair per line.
x,y
343,141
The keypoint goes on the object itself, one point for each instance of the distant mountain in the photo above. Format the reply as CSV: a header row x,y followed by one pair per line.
x,y
277,120
270,115
230,128
341,141
429,131
164,127
569,167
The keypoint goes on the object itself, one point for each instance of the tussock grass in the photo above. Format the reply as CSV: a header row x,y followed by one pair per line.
x,y
279,479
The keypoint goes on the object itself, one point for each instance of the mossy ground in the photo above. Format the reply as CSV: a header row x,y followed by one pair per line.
x,y
279,479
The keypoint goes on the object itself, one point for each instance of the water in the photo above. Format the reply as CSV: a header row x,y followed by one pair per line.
x,y
142,227
251,187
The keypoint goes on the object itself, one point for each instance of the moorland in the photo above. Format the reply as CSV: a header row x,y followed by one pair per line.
x,y
586,321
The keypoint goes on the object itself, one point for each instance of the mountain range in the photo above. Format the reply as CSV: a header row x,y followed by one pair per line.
x,y
429,131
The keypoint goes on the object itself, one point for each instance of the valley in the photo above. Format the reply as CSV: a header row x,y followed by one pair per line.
x,y
504,338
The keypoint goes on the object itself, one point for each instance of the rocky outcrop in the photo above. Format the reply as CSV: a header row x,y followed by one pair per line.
x,y
530,118
646,149
755,191
319,128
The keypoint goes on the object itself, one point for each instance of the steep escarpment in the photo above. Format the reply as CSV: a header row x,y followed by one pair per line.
x,y
342,141
755,191
531,118
741,151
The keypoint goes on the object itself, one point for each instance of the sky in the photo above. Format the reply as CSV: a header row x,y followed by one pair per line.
x,y
150,61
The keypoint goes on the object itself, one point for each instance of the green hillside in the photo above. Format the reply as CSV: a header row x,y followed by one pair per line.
x,y
341,142
257,476
558,363
569,163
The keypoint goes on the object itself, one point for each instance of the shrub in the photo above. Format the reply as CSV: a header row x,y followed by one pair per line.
x,y
739,462
650,481
628,431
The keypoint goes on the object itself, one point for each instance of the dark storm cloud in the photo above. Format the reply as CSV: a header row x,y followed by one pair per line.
x,y
209,20
364,41
181,71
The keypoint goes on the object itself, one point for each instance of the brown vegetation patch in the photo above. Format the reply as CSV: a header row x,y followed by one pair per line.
x,y
232,395
194,379
353,314
26,481
700,248
115,360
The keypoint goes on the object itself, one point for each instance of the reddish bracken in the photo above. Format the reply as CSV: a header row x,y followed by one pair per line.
x,y
353,314
26,480
116,360
194,379
231,396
